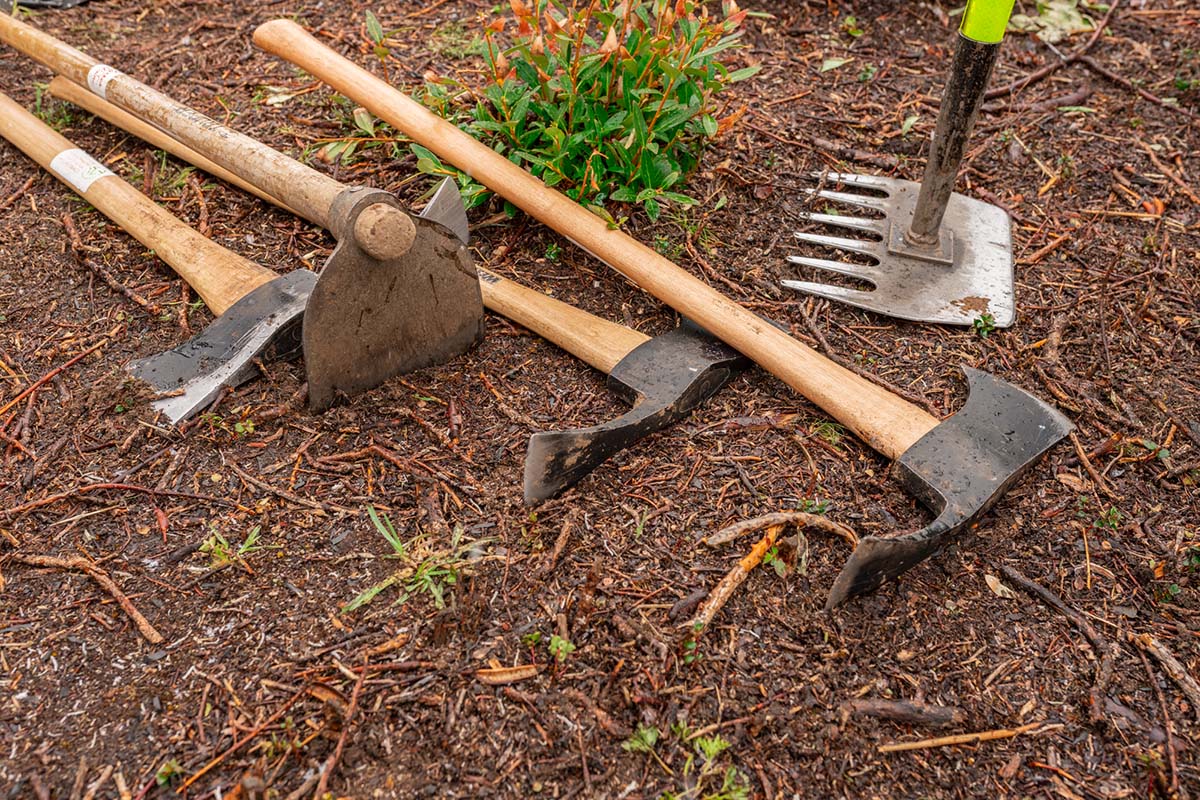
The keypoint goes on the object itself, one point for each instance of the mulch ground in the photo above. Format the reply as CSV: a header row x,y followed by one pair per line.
x,y
242,535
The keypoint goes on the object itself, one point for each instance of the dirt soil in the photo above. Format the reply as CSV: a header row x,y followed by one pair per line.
x,y
242,535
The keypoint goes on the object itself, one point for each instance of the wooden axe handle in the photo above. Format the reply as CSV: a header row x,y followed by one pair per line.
x,y
886,422
72,92
591,339
382,231
220,277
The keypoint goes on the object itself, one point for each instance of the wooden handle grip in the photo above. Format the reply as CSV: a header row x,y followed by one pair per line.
x,y
589,338
388,234
72,92
886,422
220,277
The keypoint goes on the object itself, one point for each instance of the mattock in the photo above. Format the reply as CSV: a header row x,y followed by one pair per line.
x,y
664,377
958,467
397,294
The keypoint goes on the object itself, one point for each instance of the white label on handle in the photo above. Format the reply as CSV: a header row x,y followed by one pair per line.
x,y
100,76
78,169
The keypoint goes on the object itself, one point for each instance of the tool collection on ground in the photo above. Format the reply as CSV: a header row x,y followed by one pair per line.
x,y
400,292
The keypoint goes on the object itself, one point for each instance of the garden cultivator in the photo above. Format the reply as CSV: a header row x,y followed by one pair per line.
x,y
939,256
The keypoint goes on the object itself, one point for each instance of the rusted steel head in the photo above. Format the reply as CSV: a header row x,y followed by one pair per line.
x,y
665,378
958,470
369,319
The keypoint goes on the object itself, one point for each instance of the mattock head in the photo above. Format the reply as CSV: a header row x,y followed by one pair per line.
x,y
665,377
370,319
958,470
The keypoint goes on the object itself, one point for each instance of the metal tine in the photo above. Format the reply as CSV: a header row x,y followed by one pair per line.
x,y
859,271
842,221
866,248
865,201
854,297
884,185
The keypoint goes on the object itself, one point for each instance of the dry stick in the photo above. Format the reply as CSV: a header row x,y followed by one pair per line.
x,y
775,525
128,487
240,743
1096,67
1171,666
1053,67
347,722
1170,173
1104,651
286,495
564,535
15,196
1096,477
960,738
908,712
1170,737
78,250
101,577
51,374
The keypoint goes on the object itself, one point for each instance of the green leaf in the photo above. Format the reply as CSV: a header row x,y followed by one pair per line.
x,y
710,125
742,74
374,29
907,126
364,121
833,63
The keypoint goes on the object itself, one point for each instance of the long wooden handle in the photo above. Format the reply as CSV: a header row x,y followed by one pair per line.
x,y
594,340
220,277
886,422
589,338
72,92
385,232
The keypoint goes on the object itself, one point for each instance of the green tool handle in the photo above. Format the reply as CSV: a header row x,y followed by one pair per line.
x,y
979,39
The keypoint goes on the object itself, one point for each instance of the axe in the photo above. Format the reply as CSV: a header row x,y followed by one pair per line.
x,y
664,377
397,294
958,467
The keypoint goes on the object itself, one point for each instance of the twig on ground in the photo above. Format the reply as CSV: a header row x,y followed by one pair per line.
x,y
1167,727
347,723
101,577
1104,71
909,712
775,525
1096,477
285,494
1170,664
126,487
33,387
1104,650
960,738
15,196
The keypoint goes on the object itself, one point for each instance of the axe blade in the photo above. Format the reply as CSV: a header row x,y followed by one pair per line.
x,y
263,322
666,378
958,470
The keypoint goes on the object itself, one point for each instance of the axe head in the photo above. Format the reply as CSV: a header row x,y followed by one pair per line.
x,y
665,378
369,319
958,470
264,323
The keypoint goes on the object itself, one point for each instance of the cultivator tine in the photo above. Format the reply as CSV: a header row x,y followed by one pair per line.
x,y
864,224
841,294
860,271
845,198
884,185
860,246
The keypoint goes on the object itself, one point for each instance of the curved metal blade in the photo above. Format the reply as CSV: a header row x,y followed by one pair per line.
x,y
370,320
446,208
223,353
958,470
668,376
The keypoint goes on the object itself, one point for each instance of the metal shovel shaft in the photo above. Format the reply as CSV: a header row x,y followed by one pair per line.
x,y
973,62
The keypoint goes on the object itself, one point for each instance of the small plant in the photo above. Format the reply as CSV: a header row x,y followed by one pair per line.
x,y
426,569
811,506
1191,559
560,648
984,325
867,73
532,640
553,251
831,432
222,553
691,644
851,27
168,773
1110,519
244,427
608,100
644,740
772,559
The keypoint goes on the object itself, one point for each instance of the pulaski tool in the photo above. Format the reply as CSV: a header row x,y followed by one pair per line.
x,y
664,377
958,467
397,294
939,256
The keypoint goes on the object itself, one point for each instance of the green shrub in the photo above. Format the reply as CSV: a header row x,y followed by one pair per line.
x,y
607,100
